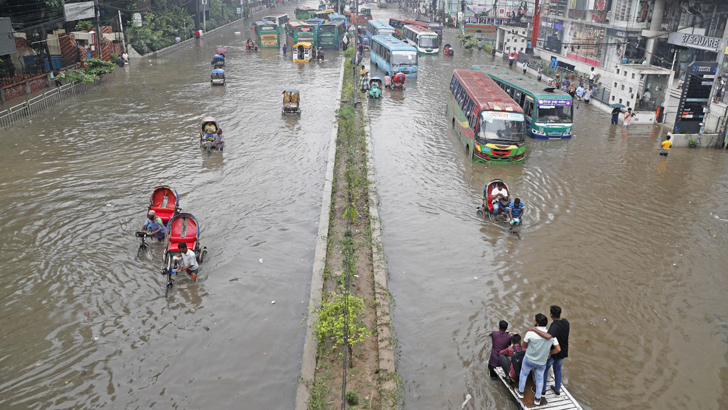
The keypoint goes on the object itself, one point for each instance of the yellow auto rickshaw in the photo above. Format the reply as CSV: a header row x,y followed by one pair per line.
x,y
302,52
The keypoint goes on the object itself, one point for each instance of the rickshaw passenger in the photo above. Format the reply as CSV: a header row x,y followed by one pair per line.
x,y
499,196
286,97
210,128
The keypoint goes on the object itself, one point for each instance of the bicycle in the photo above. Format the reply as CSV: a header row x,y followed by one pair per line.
x,y
143,245
170,282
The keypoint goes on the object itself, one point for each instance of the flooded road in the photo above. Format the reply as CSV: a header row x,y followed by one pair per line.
x,y
631,245
85,325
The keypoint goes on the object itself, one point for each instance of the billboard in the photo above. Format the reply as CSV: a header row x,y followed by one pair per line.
x,y
79,11
7,39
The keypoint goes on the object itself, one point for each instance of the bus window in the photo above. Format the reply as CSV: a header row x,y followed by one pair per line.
x,y
528,108
517,97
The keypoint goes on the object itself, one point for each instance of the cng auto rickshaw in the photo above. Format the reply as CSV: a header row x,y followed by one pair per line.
x,y
302,52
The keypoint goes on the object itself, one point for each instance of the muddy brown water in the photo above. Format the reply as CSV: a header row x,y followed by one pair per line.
x,y
630,244
85,325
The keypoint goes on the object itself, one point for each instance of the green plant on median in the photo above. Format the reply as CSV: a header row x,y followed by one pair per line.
x,y
331,321
352,398
692,143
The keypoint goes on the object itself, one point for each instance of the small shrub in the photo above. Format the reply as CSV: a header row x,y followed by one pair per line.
x,y
693,143
352,398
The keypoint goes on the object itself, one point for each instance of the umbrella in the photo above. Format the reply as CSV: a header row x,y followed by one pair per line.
x,y
222,51
616,106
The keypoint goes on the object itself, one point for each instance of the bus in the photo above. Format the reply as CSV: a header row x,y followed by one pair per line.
x,y
325,14
267,33
393,56
331,34
305,13
549,111
362,21
316,22
489,123
425,40
279,19
398,24
337,16
379,28
300,32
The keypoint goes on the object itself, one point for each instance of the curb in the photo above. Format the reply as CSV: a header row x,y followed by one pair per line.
x,y
308,361
379,268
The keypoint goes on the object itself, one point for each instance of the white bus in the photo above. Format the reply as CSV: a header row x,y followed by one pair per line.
x,y
279,19
426,41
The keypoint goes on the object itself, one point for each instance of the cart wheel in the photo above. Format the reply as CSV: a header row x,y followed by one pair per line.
x,y
479,212
201,258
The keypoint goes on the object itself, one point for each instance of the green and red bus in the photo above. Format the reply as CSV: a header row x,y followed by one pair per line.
x,y
300,32
398,24
490,124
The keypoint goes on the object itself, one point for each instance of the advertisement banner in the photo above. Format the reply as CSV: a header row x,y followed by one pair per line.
x,y
79,11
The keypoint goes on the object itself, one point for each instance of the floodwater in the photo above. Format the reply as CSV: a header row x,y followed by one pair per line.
x,y
630,244
85,325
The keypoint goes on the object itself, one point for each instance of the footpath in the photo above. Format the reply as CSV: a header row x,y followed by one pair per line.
x,y
348,354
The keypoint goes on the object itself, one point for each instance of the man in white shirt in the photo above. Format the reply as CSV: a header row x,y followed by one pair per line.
x,y
499,197
537,354
189,261
592,75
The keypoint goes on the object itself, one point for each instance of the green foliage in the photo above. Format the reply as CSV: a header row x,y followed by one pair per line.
x,y
468,41
160,30
352,398
84,25
693,143
319,392
94,68
331,321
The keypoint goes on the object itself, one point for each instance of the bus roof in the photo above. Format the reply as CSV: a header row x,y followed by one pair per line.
x,y
333,23
393,43
419,29
485,92
296,24
265,23
379,24
526,83
277,15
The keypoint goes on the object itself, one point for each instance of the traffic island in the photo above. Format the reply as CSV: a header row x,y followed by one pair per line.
x,y
348,354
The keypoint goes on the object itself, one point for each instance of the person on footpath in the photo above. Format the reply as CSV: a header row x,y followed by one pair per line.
x,y
511,57
525,66
592,75
125,56
537,354
666,145
559,330
480,45
285,48
500,340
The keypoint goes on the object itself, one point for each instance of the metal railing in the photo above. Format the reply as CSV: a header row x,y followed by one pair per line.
x,y
42,102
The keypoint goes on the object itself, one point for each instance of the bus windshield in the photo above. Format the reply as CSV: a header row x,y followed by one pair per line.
x,y
429,42
554,114
404,57
502,126
327,28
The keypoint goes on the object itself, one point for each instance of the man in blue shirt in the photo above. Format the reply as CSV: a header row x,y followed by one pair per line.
x,y
155,226
515,211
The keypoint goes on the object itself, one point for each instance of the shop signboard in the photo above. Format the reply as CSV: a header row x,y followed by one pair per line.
x,y
695,41
695,96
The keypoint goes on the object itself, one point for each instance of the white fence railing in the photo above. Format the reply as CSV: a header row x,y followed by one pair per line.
x,y
42,102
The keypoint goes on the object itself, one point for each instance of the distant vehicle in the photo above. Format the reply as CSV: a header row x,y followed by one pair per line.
x,y
305,13
549,111
393,56
382,4
378,28
490,124
279,19
331,34
208,131
363,18
298,32
217,77
325,14
399,24
268,34
425,40
291,102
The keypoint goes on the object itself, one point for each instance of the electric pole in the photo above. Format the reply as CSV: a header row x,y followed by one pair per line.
x,y
98,30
